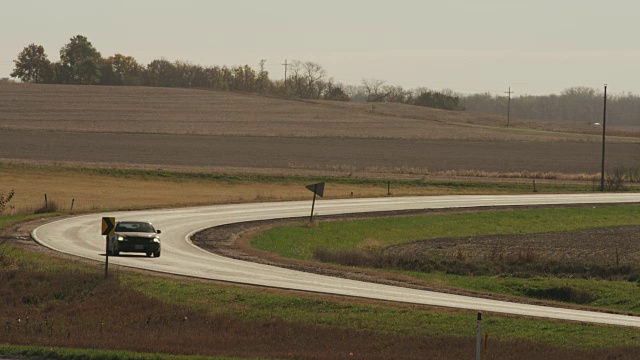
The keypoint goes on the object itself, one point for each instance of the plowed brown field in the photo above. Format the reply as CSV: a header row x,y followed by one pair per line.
x,y
181,127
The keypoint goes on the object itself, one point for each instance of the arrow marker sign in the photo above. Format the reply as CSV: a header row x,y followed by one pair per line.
x,y
108,226
318,189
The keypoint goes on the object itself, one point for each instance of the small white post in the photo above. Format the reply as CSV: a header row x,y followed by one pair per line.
x,y
479,336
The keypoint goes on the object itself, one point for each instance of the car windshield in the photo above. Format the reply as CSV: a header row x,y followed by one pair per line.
x,y
135,227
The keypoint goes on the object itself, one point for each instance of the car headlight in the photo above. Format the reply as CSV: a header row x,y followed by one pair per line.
x,y
120,238
156,240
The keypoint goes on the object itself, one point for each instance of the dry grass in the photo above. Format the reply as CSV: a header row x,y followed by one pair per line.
x,y
181,111
93,192
90,191
404,170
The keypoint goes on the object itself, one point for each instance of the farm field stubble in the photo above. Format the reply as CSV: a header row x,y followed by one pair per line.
x,y
138,125
199,112
355,155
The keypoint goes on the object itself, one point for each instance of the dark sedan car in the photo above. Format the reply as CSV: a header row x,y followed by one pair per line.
x,y
135,236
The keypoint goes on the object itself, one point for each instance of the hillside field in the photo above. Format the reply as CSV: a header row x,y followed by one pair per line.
x,y
197,128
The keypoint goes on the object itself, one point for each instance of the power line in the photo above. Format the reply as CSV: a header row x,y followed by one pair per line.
x,y
286,65
509,105
604,128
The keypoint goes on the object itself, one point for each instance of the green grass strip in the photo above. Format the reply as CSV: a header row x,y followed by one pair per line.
x,y
389,319
301,241
609,295
93,354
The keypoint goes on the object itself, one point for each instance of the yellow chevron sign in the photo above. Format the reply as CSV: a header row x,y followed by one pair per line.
x,y
108,226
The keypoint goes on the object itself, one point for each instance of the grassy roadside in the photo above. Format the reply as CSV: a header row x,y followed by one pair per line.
x,y
66,304
303,241
6,221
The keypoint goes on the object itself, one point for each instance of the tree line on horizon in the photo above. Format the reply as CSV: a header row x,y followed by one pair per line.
x,y
578,104
82,64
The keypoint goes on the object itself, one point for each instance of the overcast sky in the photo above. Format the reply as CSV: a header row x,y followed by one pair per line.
x,y
536,47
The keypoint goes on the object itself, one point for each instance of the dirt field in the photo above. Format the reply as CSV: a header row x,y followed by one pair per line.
x,y
159,126
195,112
386,155
596,246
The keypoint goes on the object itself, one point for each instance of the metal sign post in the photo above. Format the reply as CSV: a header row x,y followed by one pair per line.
x,y
106,257
108,229
318,189
313,204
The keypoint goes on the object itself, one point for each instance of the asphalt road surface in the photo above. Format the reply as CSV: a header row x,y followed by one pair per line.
x,y
81,236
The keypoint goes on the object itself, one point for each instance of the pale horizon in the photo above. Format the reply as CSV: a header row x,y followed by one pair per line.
x,y
535,48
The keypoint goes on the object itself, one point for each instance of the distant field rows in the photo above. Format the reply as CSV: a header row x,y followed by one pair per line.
x,y
194,112
162,126
311,153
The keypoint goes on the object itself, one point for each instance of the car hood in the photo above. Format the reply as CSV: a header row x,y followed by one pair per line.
x,y
138,234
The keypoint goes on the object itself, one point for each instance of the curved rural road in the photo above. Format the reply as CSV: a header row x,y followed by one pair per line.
x,y
81,236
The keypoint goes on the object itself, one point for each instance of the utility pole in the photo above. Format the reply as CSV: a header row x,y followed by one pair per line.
x,y
479,336
286,65
509,105
604,128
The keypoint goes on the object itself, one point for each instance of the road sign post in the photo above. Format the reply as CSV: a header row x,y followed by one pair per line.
x,y
108,229
313,204
318,189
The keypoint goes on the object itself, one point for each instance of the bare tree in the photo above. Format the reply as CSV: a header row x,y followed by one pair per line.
x,y
295,80
262,83
4,200
313,74
306,79
355,93
396,94
373,89
334,91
